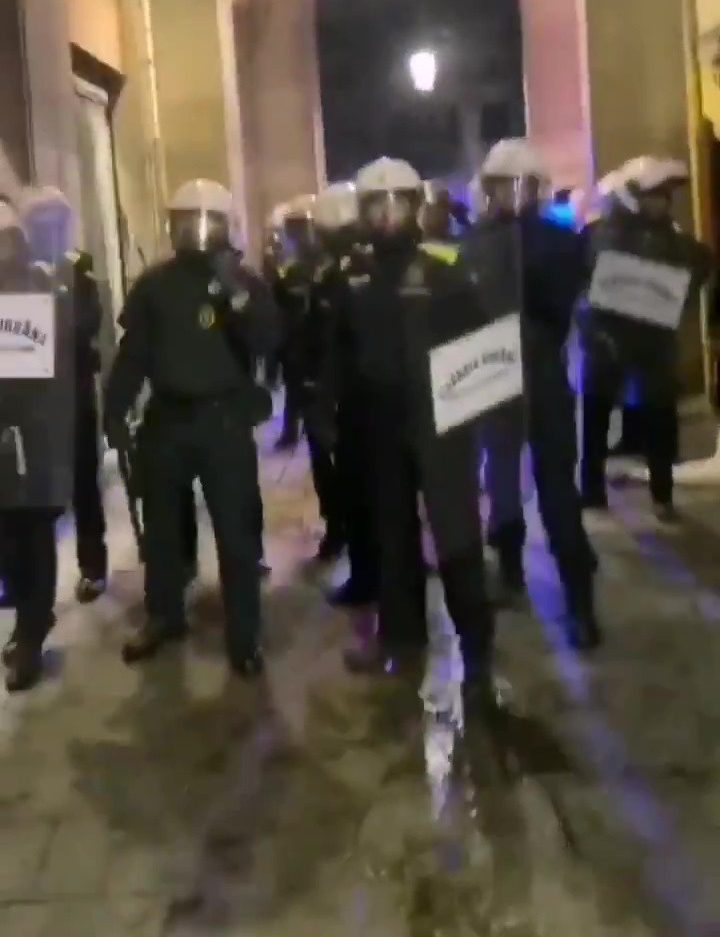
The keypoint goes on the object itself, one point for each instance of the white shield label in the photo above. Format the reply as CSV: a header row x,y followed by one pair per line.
x,y
27,336
476,372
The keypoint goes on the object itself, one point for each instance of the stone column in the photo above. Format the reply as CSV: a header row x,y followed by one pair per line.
x,y
280,109
15,161
557,87
52,96
608,80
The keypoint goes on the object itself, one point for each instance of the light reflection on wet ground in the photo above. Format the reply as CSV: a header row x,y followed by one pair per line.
x,y
173,801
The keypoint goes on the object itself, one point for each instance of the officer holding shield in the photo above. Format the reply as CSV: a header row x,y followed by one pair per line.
x,y
401,301
48,220
37,332
623,342
515,252
193,326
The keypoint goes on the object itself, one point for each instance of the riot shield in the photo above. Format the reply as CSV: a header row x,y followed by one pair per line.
x,y
37,392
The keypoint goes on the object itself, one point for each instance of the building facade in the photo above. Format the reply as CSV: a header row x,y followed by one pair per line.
x,y
119,101
607,80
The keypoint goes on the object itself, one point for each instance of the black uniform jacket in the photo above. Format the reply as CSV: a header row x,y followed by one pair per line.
x,y
388,314
292,285
192,328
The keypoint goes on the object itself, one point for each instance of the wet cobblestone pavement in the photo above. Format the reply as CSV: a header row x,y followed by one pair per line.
x,y
172,800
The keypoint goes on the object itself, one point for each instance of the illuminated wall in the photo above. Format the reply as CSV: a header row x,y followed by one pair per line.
x,y
607,80
708,29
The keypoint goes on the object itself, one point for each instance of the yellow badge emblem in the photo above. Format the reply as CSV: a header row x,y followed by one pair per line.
x,y
206,317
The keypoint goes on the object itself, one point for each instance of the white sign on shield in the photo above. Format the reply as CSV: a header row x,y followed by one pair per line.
x,y
476,372
652,292
27,336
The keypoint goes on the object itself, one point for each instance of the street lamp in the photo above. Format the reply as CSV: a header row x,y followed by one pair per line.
x,y
423,70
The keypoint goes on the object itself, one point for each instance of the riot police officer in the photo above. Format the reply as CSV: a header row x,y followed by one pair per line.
x,y
36,442
336,216
47,219
334,213
621,344
291,289
550,276
192,325
400,302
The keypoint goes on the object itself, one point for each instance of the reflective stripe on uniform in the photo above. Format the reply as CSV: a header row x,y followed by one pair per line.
x,y
445,253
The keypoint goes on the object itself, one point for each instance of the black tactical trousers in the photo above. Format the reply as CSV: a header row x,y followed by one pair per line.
x,y
210,441
325,481
502,438
30,569
356,499
549,424
87,495
190,527
402,600
551,433
294,394
657,428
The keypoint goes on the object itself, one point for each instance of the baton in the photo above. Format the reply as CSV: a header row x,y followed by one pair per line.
x,y
124,466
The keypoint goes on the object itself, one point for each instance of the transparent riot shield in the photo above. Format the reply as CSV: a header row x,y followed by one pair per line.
x,y
37,391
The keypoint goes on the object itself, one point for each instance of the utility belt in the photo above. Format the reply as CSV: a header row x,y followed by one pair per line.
x,y
252,399
180,404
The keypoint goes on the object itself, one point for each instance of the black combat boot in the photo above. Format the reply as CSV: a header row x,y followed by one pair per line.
x,y
88,589
248,665
150,637
24,666
583,629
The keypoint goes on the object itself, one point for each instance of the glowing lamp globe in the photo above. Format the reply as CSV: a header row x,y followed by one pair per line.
x,y
423,70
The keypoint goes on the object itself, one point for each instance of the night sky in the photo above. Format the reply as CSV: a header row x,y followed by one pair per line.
x,y
369,105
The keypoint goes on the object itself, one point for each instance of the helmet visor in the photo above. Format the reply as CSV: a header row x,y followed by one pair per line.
x,y
510,194
390,213
204,231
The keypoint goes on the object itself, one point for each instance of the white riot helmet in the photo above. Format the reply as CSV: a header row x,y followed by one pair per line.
x,y
200,216
47,219
12,236
650,183
390,196
512,177
608,195
336,207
